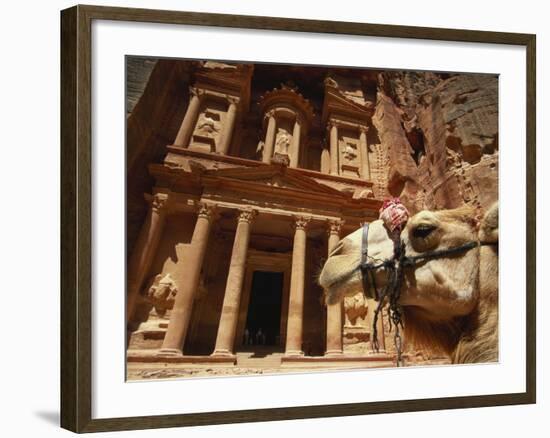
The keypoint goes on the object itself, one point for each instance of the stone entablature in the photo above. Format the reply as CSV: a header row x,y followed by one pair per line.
x,y
192,161
273,188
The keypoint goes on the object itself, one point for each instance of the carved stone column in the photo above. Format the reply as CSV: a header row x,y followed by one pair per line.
x,y
295,148
146,246
188,283
364,153
296,301
189,121
325,159
334,311
269,143
333,148
233,289
227,133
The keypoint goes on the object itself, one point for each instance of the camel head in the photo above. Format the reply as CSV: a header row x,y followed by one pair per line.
x,y
437,291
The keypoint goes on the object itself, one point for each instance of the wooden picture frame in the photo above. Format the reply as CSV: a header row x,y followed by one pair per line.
x,y
76,218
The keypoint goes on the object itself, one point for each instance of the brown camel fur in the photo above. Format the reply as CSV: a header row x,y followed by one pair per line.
x,y
450,304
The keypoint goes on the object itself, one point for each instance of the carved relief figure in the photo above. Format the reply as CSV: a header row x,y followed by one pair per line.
x,y
350,152
206,125
260,148
161,293
355,310
283,141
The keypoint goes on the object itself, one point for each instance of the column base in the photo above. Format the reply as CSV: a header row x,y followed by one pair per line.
x,y
333,353
174,356
339,361
294,353
223,353
169,352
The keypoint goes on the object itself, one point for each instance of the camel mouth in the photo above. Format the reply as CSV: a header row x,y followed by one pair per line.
x,y
337,286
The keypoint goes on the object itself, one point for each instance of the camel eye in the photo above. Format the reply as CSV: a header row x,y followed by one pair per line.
x,y
422,231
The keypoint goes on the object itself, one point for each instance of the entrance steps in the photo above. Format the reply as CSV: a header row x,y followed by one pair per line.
x,y
250,359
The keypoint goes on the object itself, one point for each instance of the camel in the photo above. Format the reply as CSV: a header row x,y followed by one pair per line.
x,y
449,304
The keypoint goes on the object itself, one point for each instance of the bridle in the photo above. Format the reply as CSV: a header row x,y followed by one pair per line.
x,y
395,269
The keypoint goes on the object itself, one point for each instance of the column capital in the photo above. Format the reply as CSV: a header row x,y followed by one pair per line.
x,y
206,210
194,91
301,222
334,226
332,123
269,114
158,201
363,129
247,215
233,100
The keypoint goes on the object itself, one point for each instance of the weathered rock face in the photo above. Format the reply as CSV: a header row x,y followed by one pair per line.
x,y
440,136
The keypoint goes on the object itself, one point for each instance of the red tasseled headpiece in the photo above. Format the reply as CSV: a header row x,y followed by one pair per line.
x,y
394,214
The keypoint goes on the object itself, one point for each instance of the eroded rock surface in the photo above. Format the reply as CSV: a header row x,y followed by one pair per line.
x,y
440,136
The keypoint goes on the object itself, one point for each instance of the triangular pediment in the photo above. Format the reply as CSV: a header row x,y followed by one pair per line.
x,y
337,102
273,176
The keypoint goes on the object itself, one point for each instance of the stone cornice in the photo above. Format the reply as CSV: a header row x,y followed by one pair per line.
x,y
233,190
212,205
254,163
335,105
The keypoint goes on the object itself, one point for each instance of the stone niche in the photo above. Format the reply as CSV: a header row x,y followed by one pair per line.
x,y
287,116
350,153
212,117
347,115
219,95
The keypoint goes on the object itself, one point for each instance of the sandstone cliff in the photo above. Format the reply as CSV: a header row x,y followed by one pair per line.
x,y
439,134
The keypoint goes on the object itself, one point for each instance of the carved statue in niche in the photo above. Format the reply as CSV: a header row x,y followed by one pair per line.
x,y
161,293
283,141
356,308
350,152
260,148
206,125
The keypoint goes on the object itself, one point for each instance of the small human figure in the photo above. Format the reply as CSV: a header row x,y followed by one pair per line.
x,y
260,337
246,336
251,338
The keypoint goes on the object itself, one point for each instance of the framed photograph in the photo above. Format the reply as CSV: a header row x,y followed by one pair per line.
x,y
268,218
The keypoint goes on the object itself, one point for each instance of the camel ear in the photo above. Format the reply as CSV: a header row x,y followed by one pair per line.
x,y
488,231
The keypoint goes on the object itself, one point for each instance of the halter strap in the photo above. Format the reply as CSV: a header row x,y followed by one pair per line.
x,y
365,244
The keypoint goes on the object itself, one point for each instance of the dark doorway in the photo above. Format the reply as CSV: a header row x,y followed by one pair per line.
x,y
264,309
